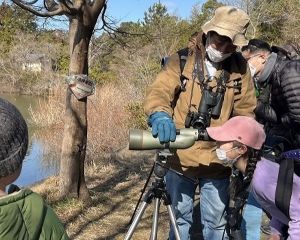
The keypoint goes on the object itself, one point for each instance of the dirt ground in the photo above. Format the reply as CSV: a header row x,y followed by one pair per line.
x,y
115,184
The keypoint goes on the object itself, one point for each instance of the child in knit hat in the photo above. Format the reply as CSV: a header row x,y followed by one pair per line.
x,y
23,213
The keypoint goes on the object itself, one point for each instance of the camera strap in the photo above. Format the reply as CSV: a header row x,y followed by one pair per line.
x,y
198,68
222,79
197,73
182,54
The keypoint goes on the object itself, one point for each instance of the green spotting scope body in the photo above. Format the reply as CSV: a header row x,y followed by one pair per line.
x,y
143,140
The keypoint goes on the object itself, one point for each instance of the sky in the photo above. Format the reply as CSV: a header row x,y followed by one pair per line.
x,y
133,10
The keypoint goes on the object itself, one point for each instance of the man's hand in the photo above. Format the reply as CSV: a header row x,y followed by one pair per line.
x,y
162,126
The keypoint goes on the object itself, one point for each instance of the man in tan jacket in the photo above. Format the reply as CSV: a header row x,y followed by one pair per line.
x,y
211,64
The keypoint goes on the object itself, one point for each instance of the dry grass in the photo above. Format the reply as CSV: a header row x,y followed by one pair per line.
x,y
50,114
114,185
107,121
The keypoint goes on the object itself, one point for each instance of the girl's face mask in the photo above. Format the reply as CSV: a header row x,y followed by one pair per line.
x,y
222,156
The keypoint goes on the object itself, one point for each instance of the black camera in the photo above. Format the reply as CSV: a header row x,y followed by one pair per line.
x,y
210,107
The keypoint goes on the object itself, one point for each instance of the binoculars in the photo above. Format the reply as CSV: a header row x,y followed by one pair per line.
x,y
143,140
210,107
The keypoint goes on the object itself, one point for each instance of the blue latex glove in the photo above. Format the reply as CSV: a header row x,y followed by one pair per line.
x,y
162,126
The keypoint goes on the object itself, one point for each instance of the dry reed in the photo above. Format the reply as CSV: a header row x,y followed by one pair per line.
x,y
107,121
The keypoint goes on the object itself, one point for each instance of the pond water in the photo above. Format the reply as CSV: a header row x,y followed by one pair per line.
x,y
36,166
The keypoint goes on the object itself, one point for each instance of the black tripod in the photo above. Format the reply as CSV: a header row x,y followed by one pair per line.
x,y
158,192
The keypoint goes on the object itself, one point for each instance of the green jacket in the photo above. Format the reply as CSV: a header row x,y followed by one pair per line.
x,y
25,216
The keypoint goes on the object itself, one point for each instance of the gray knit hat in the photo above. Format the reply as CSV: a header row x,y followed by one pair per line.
x,y
13,138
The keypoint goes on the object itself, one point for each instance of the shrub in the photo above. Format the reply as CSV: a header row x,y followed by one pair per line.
x,y
137,117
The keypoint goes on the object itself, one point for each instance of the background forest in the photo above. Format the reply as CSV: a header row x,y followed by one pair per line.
x,y
133,51
123,59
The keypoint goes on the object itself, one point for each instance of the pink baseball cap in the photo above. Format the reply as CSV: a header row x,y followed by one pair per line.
x,y
242,129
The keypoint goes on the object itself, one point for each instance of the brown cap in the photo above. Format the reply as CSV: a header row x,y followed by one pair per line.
x,y
230,22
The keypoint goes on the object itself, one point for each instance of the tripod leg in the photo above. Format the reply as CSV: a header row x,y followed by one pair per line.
x,y
155,219
142,192
173,221
136,221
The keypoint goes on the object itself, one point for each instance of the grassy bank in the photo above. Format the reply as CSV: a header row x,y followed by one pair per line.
x,y
114,184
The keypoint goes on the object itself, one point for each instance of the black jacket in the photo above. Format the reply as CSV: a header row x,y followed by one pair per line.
x,y
279,103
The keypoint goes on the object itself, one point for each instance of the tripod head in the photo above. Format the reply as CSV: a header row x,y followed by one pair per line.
x,y
160,170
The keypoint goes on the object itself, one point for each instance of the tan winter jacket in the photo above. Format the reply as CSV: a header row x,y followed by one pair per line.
x,y
200,160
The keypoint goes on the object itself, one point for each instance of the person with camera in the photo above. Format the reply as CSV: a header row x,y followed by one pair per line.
x,y
217,85
23,213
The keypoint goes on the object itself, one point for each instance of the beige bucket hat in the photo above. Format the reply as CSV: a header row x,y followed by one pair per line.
x,y
230,22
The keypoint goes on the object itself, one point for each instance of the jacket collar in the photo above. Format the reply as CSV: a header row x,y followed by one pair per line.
x,y
189,67
268,69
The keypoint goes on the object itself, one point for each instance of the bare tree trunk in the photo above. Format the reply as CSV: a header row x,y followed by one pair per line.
x,y
83,16
73,153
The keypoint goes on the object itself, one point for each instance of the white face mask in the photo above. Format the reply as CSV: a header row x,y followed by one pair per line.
x,y
215,55
222,156
252,70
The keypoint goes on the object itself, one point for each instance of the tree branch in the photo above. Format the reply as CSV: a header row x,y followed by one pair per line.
x,y
50,5
97,7
30,3
106,26
58,9
70,7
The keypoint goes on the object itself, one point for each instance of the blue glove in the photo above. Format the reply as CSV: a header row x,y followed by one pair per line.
x,y
162,126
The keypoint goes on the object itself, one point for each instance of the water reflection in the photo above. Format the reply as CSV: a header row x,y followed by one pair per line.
x,y
34,168
37,164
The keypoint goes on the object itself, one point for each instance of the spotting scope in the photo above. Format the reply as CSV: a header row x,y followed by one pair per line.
x,y
143,139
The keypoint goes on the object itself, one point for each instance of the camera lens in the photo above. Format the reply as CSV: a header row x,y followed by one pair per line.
x,y
200,122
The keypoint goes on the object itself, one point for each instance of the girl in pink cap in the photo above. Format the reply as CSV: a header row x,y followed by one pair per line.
x,y
239,142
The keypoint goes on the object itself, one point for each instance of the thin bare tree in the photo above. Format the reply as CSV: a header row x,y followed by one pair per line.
x,y
82,16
